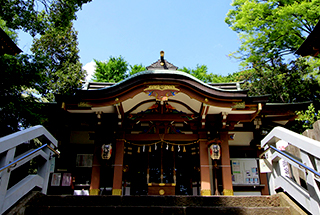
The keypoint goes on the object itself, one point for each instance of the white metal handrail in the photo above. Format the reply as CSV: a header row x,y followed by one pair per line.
x,y
310,154
294,162
10,162
14,163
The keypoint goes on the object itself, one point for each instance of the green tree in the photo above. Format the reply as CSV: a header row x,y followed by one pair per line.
x,y
24,76
17,105
12,34
113,71
116,69
308,117
284,83
270,32
62,73
201,73
269,29
34,16
136,69
18,73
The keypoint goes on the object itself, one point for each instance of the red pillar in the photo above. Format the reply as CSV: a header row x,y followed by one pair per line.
x,y
225,165
204,166
118,167
95,174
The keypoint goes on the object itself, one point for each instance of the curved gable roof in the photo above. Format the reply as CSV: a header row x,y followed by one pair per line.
x,y
163,76
190,96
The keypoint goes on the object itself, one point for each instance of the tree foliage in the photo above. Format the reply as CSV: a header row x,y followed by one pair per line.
x,y
12,34
201,73
284,83
35,16
54,68
308,117
270,32
269,29
62,73
136,69
17,109
18,74
115,69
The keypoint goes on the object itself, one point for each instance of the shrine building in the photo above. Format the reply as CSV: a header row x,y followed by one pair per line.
x,y
163,132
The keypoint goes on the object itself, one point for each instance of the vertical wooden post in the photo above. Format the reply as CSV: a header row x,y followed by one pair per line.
x,y
225,163
263,179
263,176
204,166
118,167
95,175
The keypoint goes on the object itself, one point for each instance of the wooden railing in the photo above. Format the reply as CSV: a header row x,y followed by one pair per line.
x,y
282,164
10,161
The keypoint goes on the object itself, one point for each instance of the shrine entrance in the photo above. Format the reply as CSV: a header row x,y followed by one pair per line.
x,y
161,169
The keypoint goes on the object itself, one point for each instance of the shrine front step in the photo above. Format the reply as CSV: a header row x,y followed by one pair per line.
x,y
43,204
155,210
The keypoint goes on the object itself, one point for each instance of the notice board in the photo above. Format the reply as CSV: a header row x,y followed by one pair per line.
x,y
245,171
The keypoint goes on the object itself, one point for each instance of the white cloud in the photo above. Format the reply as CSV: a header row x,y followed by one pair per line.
x,y
90,68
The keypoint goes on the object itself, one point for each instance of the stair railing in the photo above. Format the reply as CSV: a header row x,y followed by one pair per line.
x,y
308,162
9,162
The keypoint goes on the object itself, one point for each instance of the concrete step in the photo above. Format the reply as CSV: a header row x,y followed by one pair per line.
x,y
43,204
155,210
230,201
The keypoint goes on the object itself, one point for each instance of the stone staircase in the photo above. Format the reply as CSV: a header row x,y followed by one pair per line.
x,y
43,204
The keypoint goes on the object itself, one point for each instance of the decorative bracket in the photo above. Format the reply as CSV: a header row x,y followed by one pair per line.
x,y
120,111
224,119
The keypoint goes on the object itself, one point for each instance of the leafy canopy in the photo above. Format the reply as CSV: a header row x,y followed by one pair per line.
x,y
136,69
62,73
269,29
284,83
201,72
18,74
115,69
308,117
270,32
54,68
35,16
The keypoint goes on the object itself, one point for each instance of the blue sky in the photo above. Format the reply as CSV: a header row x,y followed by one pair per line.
x,y
189,32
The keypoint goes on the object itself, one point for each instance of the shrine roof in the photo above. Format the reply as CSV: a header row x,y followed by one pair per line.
x,y
163,73
311,46
159,65
186,95
7,46
162,64
224,86
227,87
214,104
223,91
